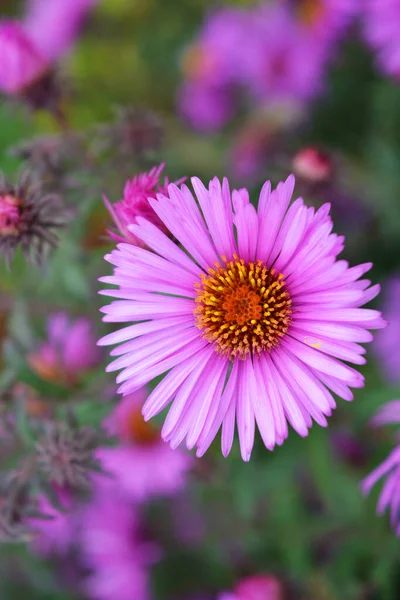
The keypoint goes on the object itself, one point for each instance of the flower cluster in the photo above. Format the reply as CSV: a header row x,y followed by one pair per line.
x,y
245,49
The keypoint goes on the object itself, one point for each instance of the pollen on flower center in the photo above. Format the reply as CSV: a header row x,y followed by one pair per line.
x,y
244,308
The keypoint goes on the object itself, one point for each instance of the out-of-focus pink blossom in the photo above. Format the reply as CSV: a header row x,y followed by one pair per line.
x,y
54,25
69,351
313,165
382,27
283,62
56,534
143,466
114,549
21,62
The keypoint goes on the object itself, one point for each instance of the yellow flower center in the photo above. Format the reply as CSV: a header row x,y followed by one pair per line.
x,y
244,308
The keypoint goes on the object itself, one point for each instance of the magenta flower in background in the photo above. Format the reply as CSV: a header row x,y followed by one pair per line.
x,y
69,351
143,466
386,344
390,468
56,534
214,58
252,320
21,62
382,27
282,68
135,203
29,48
114,549
244,50
54,25
212,69
258,587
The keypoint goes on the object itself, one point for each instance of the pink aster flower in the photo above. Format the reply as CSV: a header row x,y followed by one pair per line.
x,y
143,465
382,26
56,534
386,345
69,351
54,25
253,317
135,203
289,67
390,468
114,549
21,62
257,587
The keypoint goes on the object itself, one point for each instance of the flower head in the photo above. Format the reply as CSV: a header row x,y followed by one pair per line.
x,y
386,344
69,351
28,218
253,320
143,465
21,62
135,203
114,549
390,468
283,68
382,26
257,587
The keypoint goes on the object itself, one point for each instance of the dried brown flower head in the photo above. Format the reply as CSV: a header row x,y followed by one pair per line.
x,y
65,453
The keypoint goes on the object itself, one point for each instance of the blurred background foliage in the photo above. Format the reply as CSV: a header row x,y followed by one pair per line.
x,y
298,511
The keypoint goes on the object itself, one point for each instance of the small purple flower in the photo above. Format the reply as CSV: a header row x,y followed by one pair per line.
x,y
69,351
115,551
382,27
390,468
143,466
386,344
